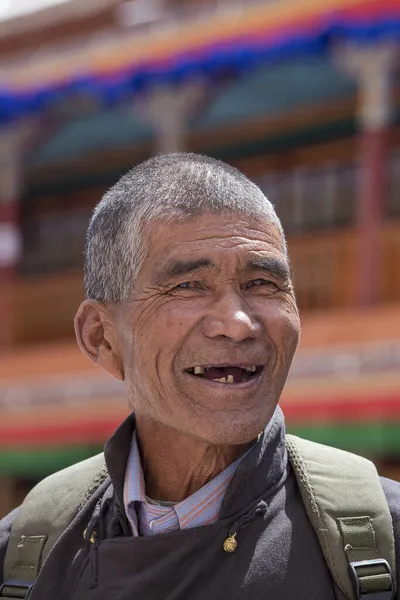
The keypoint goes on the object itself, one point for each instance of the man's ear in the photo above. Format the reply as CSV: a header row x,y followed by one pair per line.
x,y
96,337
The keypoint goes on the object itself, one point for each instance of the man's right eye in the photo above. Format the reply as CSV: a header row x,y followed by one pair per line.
x,y
195,286
187,285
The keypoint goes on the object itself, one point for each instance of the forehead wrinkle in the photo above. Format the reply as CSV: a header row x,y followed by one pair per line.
x,y
252,231
226,237
207,246
227,246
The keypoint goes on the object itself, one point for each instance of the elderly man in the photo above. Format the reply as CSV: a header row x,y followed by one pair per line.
x,y
189,302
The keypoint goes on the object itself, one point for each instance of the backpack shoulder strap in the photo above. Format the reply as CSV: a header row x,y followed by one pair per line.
x,y
45,513
347,507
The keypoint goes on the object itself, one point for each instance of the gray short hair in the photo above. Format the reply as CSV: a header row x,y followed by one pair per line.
x,y
169,187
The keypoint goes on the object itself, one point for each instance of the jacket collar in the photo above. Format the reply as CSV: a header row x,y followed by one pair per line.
x,y
116,453
258,475
261,472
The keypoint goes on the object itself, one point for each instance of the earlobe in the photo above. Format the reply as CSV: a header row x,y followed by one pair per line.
x,y
93,332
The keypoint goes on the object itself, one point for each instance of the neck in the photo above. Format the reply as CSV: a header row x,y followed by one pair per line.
x,y
176,465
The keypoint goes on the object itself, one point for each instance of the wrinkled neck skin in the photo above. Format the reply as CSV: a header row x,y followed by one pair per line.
x,y
176,465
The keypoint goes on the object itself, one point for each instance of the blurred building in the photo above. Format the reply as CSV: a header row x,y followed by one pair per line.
x,y
302,95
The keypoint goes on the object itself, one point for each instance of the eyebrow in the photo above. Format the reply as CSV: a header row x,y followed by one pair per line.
x,y
274,266
174,268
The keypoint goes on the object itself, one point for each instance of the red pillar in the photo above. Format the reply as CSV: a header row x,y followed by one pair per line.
x,y
372,68
10,244
370,213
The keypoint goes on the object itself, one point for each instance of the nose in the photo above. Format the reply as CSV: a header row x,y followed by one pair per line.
x,y
231,318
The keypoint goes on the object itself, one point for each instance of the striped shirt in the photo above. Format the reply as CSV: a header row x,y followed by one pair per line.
x,y
147,517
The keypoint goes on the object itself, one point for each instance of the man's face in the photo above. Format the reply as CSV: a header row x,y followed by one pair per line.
x,y
209,333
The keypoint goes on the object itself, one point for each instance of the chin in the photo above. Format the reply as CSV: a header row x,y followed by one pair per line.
x,y
235,428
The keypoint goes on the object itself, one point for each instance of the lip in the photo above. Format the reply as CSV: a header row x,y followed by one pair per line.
x,y
244,364
240,365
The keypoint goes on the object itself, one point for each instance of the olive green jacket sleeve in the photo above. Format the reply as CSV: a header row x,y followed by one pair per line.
x,y
5,528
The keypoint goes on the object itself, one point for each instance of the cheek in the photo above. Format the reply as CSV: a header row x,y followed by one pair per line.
x,y
165,331
184,315
291,320
283,327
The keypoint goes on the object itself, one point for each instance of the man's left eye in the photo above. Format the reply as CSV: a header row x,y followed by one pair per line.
x,y
270,285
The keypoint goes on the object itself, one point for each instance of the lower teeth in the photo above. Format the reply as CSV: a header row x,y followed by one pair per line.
x,y
228,379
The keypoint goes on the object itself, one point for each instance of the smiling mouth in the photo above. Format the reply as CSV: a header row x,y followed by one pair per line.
x,y
229,374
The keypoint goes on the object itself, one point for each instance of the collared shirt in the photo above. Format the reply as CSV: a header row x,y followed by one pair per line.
x,y
150,518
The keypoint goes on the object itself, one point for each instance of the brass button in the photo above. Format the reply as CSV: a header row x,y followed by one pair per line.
x,y
230,544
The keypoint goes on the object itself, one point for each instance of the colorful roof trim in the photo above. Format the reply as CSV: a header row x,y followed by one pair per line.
x,y
264,33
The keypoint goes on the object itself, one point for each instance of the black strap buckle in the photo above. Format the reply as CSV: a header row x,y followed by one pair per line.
x,y
378,562
15,589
